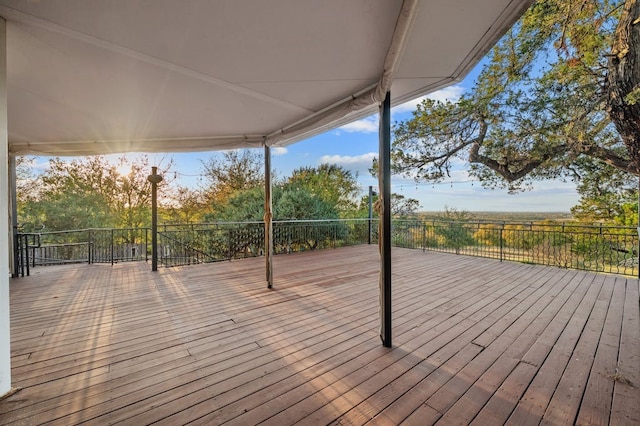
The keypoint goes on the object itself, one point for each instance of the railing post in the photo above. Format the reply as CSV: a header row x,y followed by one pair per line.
x,y
155,179
112,247
146,244
90,245
638,246
25,255
501,242
371,193
22,244
33,255
26,251
18,247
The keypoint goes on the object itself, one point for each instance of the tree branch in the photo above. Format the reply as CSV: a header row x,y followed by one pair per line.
x,y
504,169
611,158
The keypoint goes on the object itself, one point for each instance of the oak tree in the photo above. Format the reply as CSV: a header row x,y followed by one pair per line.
x,y
562,85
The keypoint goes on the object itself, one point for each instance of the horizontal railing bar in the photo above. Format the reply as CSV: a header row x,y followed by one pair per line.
x,y
575,245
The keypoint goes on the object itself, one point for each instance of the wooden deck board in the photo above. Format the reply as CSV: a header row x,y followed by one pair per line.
x,y
569,392
476,341
626,388
456,343
552,357
594,408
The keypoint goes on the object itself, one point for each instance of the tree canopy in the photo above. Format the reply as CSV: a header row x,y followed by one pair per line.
x,y
229,172
330,183
88,192
557,92
607,194
93,192
323,192
401,206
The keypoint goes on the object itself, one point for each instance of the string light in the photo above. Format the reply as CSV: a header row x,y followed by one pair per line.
x,y
400,186
188,175
432,184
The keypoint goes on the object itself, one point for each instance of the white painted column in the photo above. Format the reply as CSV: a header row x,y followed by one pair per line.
x,y
5,341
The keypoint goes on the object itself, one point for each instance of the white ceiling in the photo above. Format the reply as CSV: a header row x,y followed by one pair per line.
x,y
103,76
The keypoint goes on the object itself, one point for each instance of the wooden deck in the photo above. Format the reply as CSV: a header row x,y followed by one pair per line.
x,y
476,341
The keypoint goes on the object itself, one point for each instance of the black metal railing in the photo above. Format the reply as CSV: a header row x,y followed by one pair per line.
x,y
81,246
210,242
53,248
118,245
186,244
181,247
612,249
599,248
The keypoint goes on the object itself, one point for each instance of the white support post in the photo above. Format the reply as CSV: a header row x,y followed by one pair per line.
x,y
5,339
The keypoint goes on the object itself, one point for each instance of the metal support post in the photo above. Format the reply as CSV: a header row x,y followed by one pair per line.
x,y
384,174
13,190
155,179
370,210
112,248
268,218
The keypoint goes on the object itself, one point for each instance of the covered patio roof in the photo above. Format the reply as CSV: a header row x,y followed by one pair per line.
x,y
97,77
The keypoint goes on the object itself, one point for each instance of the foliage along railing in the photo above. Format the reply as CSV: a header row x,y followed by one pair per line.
x,y
567,245
597,248
209,242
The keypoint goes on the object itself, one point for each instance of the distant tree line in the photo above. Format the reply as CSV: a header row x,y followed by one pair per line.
x,y
92,192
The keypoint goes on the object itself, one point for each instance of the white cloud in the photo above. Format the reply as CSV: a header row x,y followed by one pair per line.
x,y
451,93
365,125
371,124
356,163
40,164
458,173
347,159
279,150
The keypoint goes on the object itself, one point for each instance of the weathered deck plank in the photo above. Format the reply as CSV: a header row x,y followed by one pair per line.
x,y
476,341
